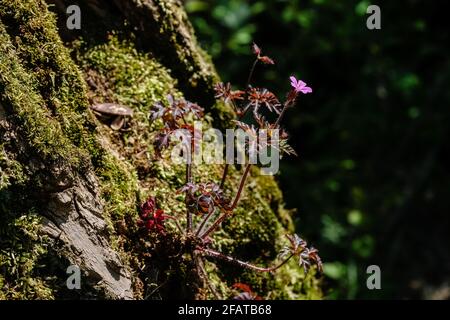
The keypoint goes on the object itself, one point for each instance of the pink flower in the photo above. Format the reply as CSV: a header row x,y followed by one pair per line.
x,y
299,86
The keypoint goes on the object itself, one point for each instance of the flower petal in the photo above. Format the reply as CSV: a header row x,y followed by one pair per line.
x,y
306,90
301,84
293,81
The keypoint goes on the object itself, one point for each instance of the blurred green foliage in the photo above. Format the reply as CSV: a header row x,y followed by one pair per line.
x,y
372,180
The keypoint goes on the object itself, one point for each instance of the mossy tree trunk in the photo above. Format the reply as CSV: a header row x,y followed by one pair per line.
x,y
70,186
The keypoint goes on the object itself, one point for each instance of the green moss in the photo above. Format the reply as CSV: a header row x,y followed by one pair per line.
x,y
19,91
11,171
47,94
295,284
269,190
41,62
196,63
119,187
137,80
21,248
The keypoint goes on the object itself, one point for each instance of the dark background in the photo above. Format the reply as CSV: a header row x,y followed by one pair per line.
x,y
371,183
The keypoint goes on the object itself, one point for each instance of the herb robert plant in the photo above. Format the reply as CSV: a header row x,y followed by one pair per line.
x,y
207,201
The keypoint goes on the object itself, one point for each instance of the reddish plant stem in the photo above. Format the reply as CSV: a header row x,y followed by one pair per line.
x,y
241,186
289,102
204,277
205,220
244,112
224,175
251,73
225,169
233,205
216,254
188,212
174,220
283,111
215,225
234,105
188,180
